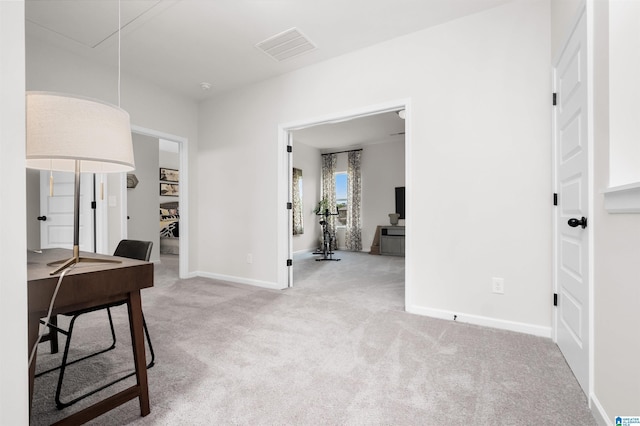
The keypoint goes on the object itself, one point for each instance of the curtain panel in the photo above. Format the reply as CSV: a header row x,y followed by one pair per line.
x,y
298,223
329,162
353,235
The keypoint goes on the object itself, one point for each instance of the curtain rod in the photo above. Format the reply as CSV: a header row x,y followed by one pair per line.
x,y
340,152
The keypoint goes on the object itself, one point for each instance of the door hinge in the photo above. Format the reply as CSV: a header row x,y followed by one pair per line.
x,y
289,262
289,148
555,299
555,199
94,205
555,101
289,206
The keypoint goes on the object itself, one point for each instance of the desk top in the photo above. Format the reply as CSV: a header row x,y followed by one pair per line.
x,y
86,283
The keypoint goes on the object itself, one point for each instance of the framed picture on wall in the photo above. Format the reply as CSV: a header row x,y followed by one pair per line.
x,y
169,175
169,189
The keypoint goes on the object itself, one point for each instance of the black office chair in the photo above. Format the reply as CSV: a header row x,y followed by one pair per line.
x,y
132,249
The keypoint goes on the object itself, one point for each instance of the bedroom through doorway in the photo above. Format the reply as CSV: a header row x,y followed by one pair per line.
x,y
156,201
379,134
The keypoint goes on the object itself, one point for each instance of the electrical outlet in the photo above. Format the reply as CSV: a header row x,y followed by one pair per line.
x,y
249,258
498,285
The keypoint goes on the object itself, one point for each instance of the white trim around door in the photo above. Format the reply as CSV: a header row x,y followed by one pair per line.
x,y
183,198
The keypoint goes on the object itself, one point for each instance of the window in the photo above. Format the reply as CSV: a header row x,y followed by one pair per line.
x,y
341,198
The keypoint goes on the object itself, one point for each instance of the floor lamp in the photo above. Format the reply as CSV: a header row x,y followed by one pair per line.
x,y
75,134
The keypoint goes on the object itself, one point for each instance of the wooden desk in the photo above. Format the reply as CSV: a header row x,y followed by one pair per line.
x,y
85,286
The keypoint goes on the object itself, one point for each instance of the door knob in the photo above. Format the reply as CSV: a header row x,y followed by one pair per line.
x,y
573,222
42,218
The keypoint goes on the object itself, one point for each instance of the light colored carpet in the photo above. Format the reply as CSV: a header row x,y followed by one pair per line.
x,y
337,349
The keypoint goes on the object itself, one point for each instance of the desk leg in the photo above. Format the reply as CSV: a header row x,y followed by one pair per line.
x,y
34,328
137,339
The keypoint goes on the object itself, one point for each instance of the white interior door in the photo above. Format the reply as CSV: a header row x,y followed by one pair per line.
x,y
572,185
57,229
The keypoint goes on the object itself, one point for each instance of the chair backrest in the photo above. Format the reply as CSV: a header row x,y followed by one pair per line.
x,y
134,249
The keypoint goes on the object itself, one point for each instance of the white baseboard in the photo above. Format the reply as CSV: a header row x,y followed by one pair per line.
x,y
519,327
239,280
598,412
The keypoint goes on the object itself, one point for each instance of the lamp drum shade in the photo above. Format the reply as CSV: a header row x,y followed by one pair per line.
x,y
64,128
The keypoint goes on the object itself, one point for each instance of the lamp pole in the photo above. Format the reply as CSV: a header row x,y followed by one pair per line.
x,y
76,231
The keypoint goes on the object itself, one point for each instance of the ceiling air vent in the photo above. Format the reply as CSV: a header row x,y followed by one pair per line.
x,y
286,45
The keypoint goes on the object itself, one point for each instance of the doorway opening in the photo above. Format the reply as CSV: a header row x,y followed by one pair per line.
x,y
171,154
293,135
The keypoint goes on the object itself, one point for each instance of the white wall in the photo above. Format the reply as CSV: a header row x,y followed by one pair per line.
x,y
307,159
151,107
479,167
142,201
13,291
382,171
624,91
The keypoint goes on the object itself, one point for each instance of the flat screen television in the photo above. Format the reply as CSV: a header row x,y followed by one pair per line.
x,y
400,201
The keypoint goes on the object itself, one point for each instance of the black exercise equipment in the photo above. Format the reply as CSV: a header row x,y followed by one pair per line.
x,y
327,239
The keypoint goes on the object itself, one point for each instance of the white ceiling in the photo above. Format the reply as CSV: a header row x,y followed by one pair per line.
x,y
180,43
355,133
